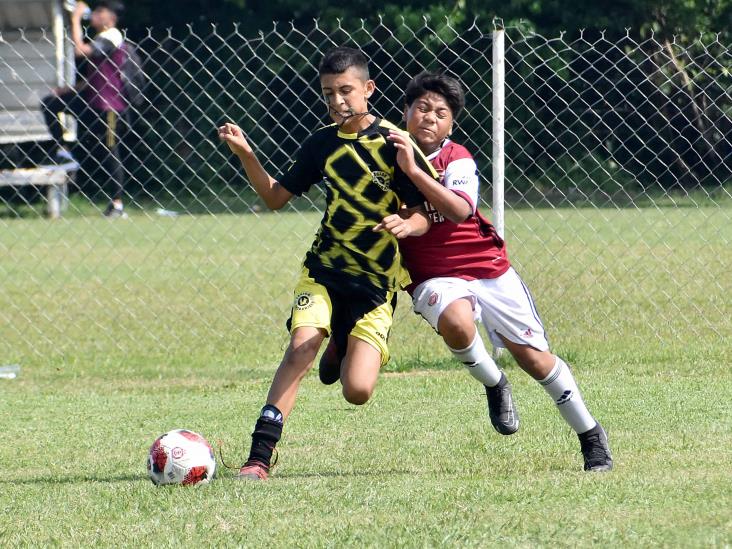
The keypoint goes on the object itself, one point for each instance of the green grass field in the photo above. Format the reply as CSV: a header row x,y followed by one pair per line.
x,y
125,330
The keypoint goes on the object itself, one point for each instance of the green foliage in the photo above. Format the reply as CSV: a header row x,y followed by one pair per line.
x,y
682,18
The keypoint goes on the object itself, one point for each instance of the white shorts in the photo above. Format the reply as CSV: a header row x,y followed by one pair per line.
x,y
503,304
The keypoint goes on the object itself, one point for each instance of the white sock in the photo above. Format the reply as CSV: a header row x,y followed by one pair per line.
x,y
562,387
478,362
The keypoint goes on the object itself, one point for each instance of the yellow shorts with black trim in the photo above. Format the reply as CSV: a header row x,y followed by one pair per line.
x,y
312,307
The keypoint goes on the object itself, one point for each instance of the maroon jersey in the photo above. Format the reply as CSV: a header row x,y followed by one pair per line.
x,y
469,250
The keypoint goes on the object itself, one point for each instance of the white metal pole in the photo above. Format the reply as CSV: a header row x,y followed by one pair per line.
x,y
499,73
57,26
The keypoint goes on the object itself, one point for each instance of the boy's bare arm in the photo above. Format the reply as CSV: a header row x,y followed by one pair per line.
x,y
409,222
81,48
274,195
449,204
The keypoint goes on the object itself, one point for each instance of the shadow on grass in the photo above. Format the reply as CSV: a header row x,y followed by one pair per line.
x,y
74,479
341,474
412,365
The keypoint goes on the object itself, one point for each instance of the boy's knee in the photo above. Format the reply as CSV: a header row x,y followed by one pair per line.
x,y
357,395
458,330
360,371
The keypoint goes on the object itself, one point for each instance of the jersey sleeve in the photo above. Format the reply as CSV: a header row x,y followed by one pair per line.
x,y
461,177
403,186
303,173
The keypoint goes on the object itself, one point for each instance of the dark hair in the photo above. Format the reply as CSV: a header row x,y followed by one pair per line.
x,y
114,6
446,86
339,60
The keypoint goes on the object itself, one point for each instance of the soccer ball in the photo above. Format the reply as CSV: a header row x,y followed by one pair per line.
x,y
181,457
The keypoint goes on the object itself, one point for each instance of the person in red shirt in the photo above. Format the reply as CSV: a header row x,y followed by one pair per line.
x,y
461,273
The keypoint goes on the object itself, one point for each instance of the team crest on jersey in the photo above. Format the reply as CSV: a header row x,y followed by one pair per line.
x,y
381,179
434,298
304,301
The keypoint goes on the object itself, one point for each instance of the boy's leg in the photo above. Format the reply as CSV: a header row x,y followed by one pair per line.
x,y
114,127
448,305
329,367
367,351
554,375
52,105
458,330
298,360
309,322
360,371
511,318
367,316
299,357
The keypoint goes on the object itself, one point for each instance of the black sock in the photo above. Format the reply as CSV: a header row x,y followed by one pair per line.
x,y
266,435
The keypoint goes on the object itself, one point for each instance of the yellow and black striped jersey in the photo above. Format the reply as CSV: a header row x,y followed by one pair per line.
x,y
363,185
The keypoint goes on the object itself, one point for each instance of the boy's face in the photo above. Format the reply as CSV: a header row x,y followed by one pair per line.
x,y
429,121
347,94
102,18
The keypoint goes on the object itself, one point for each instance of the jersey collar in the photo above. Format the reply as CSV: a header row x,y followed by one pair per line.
x,y
366,131
433,155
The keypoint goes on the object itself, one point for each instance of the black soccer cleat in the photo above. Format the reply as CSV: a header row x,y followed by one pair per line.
x,y
595,449
113,212
329,367
501,408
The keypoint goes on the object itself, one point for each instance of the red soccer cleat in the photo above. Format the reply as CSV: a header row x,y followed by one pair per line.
x,y
253,470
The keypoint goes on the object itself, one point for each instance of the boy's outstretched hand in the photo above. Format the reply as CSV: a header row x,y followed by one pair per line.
x,y
232,135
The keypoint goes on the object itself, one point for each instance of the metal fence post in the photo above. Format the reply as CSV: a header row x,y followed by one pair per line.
x,y
497,115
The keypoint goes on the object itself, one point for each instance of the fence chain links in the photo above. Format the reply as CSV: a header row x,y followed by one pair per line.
x,y
602,136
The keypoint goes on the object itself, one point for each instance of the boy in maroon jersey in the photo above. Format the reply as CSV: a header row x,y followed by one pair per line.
x,y
461,272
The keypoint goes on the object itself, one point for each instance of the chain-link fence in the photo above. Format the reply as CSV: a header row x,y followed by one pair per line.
x,y
618,155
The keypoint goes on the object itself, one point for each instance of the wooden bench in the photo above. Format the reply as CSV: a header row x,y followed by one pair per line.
x,y
55,180
34,60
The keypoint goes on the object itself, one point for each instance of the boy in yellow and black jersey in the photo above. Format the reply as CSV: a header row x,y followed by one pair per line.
x,y
363,185
353,270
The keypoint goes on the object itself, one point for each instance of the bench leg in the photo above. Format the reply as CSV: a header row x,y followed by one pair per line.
x,y
57,196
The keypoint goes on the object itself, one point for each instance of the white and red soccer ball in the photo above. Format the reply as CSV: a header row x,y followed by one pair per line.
x,y
181,457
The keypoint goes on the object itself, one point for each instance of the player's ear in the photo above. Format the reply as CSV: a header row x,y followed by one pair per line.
x,y
370,88
405,113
